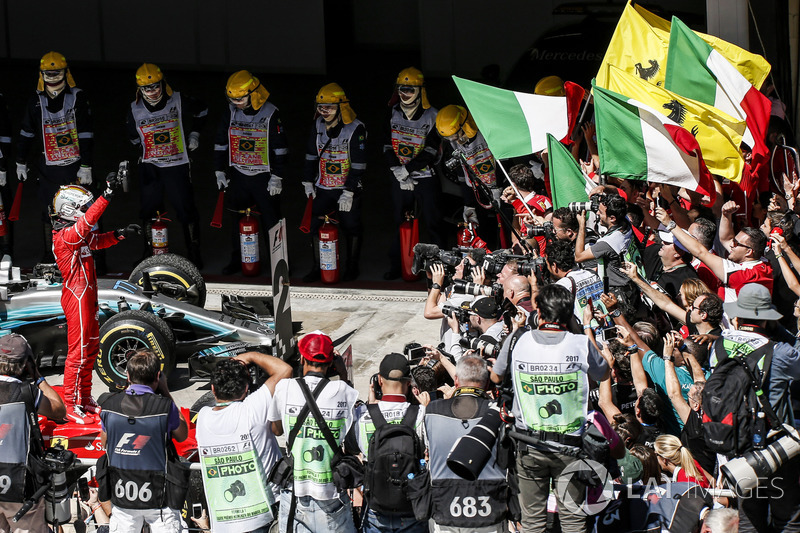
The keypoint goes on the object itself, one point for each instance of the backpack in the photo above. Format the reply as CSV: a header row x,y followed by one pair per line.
x,y
734,398
394,454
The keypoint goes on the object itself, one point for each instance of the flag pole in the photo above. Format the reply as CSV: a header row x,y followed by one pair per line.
x,y
516,191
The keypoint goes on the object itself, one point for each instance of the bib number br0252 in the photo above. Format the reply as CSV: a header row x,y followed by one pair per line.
x,y
130,491
469,507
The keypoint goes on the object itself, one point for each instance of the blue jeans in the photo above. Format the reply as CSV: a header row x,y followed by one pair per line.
x,y
315,516
382,523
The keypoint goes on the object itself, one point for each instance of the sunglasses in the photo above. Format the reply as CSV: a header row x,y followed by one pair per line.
x,y
152,87
736,244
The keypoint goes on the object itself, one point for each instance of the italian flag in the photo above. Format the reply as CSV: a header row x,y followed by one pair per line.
x,y
637,142
567,181
516,124
697,71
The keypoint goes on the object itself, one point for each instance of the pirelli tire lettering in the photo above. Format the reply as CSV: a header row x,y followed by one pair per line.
x,y
127,332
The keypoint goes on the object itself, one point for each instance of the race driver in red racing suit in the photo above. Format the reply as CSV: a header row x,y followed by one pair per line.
x,y
74,217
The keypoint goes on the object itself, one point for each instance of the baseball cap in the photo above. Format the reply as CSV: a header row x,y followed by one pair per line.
x,y
395,367
316,347
668,238
754,302
15,348
486,307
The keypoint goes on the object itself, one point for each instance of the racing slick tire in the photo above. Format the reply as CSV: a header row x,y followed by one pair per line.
x,y
206,400
173,276
130,331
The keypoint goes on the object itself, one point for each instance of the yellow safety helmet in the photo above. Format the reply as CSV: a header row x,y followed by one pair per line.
x,y
242,84
149,74
334,94
453,118
550,86
53,61
413,76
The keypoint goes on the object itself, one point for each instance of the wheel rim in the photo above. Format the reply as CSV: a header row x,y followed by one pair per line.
x,y
117,353
171,286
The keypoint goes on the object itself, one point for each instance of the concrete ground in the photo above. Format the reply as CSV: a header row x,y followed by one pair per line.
x,y
373,322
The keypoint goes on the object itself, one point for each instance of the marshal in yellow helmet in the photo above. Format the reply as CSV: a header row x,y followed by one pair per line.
x,y
550,86
454,118
334,94
242,84
53,61
148,74
413,77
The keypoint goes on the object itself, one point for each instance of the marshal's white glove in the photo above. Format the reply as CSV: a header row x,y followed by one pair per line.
x,y
22,171
346,201
400,173
407,184
194,141
3,178
275,185
496,194
85,175
222,180
310,191
470,215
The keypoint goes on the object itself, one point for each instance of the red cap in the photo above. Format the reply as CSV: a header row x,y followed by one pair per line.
x,y
316,347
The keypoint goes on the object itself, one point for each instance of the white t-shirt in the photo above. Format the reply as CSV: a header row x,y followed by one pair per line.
x,y
312,455
223,426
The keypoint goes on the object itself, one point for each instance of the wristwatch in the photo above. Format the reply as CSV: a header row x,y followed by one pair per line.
x,y
669,358
633,348
436,286
39,381
615,313
671,226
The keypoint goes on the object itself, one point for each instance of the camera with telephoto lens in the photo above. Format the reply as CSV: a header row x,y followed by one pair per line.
x,y
461,313
469,456
754,467
546,230
427,255
592,205
536,266
477,343
476,289
58,459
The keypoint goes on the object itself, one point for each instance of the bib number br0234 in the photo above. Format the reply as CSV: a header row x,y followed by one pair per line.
x,y
130,491
469,507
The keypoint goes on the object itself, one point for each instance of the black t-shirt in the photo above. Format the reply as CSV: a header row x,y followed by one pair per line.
x,y
692,438
649,435
671,281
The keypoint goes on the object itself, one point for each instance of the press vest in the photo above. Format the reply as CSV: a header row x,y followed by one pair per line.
x,y
137,432
629,251
17,414
458,502
248,140
60,131
479,159
408,137
334,155
551,384
736,342
161,132
583,284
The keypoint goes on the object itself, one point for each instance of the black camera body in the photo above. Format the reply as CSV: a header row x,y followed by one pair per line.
x,y
536,266
546,230
58,459
461,313
376,386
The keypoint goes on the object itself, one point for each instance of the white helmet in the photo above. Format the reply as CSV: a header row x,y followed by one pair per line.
x,y
71,202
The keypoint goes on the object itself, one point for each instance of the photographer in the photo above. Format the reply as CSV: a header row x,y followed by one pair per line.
x,y
441,281
23,393
582,284
139,424
239,421
550,370
484,324
460,505
610,250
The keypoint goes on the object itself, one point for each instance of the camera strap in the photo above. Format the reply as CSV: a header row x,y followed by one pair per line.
x,y
303,414
321,423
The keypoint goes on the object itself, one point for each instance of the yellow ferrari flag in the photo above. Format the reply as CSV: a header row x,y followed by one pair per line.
x,y
637,47
752,66
718,134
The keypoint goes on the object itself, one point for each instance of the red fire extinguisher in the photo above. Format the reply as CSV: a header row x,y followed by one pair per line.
x,y
159,236
3,220
409,236
329,252
248,242
468,237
